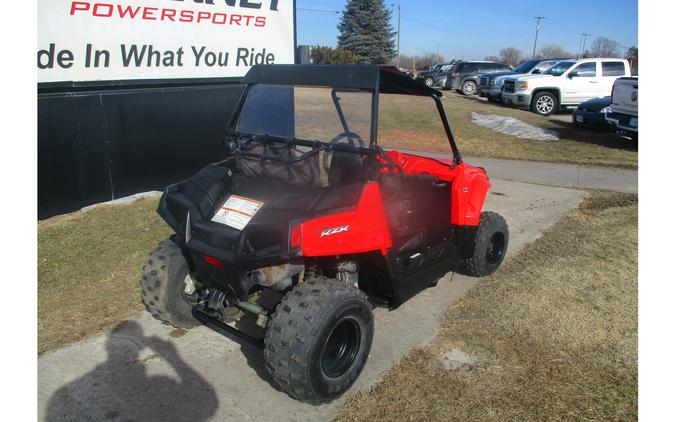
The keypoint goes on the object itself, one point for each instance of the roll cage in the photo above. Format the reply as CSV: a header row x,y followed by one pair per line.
x,y
341,78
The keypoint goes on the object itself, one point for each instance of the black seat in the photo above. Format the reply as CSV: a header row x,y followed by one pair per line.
x,y
345,168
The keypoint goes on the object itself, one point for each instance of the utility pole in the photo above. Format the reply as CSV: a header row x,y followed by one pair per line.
x,y
536,35
438,58
398,39
583,44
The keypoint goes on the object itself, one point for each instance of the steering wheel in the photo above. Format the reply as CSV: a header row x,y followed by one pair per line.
x,y
352,139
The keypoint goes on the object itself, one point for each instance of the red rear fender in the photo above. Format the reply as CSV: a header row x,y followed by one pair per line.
x,y
364,229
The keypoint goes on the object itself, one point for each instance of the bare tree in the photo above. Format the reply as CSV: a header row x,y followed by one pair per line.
x,y
553,50
407,61
491,59
511,56
605,47
427,60
632,57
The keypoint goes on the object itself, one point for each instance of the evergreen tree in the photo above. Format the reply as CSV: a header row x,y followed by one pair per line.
x,y
328,55
366,31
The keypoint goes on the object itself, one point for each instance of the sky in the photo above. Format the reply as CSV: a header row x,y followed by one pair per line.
x,y
469,30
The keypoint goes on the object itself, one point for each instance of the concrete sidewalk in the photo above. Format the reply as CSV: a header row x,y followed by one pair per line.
x,y
147,371
552,174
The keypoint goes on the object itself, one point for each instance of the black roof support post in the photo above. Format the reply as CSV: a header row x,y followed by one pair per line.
x,y
455,151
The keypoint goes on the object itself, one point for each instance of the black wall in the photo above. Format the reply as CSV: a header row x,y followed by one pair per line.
x,y
95,145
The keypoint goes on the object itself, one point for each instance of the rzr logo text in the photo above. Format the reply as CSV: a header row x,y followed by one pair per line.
x,y
334,230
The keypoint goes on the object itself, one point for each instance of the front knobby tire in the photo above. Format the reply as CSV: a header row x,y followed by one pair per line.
x,y
492,241
318,339
163,286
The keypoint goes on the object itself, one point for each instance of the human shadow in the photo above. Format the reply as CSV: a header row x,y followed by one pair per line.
x,y
120,389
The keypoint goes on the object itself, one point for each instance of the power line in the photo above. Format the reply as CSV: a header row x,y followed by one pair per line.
x,y
462,33
318,10
536,35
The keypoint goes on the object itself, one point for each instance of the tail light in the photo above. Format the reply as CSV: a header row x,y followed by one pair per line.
x,y
295,241
295,237
213,261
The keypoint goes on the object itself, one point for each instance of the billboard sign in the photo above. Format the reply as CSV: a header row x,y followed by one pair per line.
x,y
109,40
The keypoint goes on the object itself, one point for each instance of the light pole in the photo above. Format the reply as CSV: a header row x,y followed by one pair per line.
x,y
583,44
536,34
398,39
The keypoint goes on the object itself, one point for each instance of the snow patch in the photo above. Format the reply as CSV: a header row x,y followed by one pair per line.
x,y
457,359
513,127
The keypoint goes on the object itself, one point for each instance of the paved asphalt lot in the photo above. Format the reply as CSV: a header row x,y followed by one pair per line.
x,y
146,371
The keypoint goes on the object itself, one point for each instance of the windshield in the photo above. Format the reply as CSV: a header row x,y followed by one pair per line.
x,y
525,67
309,113
559,68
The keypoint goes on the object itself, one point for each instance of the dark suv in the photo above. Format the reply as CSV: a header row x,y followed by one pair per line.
x,y
464,75
436,75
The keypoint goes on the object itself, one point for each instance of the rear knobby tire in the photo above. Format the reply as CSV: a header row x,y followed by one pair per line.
x,y
163,286
297,347
492,241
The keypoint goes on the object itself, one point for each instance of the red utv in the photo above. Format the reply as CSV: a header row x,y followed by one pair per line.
x,y
307,223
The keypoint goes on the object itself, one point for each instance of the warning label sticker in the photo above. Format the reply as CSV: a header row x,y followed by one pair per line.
x,y
237,211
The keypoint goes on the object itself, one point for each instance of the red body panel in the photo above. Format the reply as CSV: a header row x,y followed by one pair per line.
x,y
366,228
469,184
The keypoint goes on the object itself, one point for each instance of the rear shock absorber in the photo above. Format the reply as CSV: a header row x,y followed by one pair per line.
x,y
348,272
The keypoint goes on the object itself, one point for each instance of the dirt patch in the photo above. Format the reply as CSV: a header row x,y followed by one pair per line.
x,y
554,334
89,265
177,333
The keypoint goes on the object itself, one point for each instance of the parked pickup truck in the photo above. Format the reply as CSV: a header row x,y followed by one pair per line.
x,y
490,85
567,83
623,115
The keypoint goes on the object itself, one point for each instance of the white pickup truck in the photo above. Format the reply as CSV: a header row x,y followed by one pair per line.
x,y
623,115
568,83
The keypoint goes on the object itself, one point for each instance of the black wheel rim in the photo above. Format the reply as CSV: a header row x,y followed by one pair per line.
x,y
495,248
340,349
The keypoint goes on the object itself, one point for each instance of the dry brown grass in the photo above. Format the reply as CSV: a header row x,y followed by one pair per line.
x,y
88,269
555,331
411,115
412,122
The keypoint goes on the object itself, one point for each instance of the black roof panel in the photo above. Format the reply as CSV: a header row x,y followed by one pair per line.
x,y
387,79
